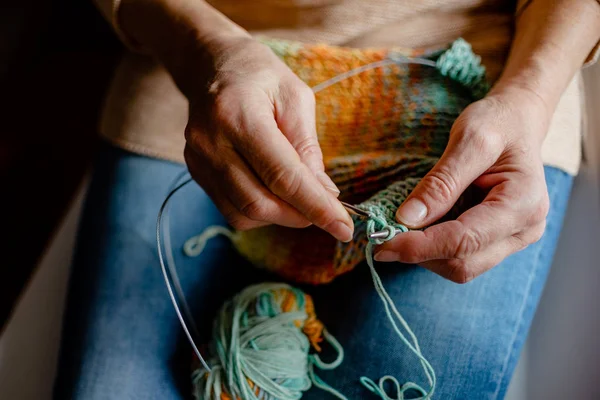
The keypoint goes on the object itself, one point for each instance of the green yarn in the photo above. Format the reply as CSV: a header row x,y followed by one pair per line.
x,y
383,206
394,317
462,65
260,352
257,345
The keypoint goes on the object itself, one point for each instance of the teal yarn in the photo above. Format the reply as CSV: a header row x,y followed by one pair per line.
x,y
259,351
458,63
382,208
462,65
394,317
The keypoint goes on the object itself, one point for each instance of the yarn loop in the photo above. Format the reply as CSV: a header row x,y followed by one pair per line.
x,y
380,223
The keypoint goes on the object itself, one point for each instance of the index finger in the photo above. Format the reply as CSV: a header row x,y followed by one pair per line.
x,y
280,168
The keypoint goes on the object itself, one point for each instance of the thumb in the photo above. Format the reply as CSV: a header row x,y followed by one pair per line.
x,y
295,116
439,190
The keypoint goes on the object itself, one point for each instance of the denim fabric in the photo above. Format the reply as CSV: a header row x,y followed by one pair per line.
x,y
122,339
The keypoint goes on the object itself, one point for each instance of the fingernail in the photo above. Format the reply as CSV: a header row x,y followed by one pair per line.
x,y
412,212
328,183
385,256
340,231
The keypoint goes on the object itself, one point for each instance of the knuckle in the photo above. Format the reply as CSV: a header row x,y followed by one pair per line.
x,y
189,133
198,141
521,242
536,211
238,221
488,143
441,183
300,92
194,166
240,224
256,210
309,146
478,134
459,271
222,107
285,182
542,208
202,147
307,95
539,232
536,234
188,155
411,255
322,217
469,243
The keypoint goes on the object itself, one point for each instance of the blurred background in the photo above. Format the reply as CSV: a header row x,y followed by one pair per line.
x,y
54,69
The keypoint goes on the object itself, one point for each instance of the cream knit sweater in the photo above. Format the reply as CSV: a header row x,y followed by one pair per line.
x,y
145,113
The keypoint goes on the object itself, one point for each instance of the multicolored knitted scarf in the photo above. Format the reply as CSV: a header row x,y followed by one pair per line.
x,y
380,131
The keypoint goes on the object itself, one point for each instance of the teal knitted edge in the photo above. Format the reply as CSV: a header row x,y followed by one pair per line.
x,y
460,64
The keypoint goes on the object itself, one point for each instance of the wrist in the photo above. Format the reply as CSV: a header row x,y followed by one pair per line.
x,y
526,105
178,32
531,80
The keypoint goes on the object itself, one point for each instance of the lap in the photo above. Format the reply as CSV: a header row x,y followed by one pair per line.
x,y
122,338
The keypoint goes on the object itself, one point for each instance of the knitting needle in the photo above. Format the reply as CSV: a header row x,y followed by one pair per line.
x,y
381,234
363,214
353,210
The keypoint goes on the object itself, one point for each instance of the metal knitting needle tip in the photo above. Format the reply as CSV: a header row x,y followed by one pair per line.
x,y
355,210
379,235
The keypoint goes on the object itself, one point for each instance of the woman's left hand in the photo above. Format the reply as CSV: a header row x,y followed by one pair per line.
x,y
494,144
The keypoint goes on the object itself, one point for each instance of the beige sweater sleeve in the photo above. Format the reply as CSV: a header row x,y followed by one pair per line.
x,y
594,54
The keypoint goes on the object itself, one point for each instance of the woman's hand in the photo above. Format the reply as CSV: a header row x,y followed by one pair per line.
x,y
251,136
252,142
496,145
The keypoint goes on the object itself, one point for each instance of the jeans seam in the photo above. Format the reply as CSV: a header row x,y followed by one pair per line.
x,y
519,323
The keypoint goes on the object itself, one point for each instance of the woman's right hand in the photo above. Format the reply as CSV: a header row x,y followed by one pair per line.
x,y
251,136
252,143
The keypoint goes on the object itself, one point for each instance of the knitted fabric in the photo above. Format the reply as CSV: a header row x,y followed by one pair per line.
x,y
380,132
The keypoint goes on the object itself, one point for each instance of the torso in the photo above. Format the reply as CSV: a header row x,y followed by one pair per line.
x,y
146,113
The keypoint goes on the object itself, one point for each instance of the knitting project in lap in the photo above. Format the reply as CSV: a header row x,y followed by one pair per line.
x,y
380,132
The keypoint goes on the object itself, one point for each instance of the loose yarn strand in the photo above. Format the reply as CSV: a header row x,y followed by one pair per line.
x,y
392,312
319,383
317,362
195,245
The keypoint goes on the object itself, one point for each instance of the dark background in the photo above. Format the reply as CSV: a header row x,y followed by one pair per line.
x,y
56,59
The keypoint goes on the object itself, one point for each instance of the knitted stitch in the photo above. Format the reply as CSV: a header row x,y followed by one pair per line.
x,y
380,132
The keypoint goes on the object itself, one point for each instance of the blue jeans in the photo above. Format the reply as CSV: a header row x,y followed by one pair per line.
x,y
122,339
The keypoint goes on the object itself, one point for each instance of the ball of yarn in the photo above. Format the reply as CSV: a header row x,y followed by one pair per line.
x,y
263,347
